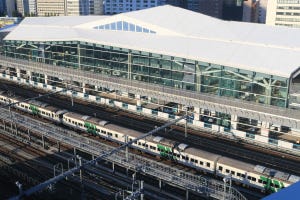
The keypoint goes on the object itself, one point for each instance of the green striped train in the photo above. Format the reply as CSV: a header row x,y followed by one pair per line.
x,y
247,174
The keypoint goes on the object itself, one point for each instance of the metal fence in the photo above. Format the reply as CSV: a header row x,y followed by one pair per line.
x,y
202,186
252,110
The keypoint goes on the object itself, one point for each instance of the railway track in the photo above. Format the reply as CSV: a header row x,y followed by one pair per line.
x,y
36,164
198,139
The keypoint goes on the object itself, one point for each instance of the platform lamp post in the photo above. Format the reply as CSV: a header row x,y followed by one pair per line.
x,y
225,180
185,108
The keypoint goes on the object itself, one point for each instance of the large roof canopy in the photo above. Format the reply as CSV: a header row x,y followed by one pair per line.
x,y
177,32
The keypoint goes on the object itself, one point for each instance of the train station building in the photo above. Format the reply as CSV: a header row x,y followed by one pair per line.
x,y
238,79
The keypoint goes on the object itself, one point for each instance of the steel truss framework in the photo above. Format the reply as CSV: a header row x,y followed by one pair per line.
x,y
275,115
188,181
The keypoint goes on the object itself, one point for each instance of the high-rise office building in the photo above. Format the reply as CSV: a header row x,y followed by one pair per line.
x,y
255,11
69,7
284,13
208,7
10,7
26,7
121,6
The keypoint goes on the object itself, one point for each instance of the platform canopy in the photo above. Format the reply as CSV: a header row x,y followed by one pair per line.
x,y
177,32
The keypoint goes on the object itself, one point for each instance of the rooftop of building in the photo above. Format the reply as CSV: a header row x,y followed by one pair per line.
x,y
292,193
178,32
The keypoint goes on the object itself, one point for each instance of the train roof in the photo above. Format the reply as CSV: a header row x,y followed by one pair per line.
x,y
236,164
76,116
123,130
37,103
201,153
162,141
51,108
294,179
271,172
61,112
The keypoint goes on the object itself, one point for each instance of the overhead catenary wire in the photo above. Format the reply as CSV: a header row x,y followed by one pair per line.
x,y
43,185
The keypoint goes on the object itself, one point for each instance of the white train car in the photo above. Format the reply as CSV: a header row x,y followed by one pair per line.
x,y
203,160
251,175
256,176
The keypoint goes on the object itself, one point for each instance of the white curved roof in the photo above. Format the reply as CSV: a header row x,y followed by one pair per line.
x,y
179,32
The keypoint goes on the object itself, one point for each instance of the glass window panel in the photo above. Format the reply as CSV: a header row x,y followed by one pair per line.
x,y
154,62
145,30
166,73
106,26
132,27
101,27
166,64
125,26
119,25
152,32
138,29
177,75
113,26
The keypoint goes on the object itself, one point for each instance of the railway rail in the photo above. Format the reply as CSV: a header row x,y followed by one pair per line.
x,y
247,152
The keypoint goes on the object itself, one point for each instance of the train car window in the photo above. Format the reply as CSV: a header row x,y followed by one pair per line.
x,y
116,135
43,112
233,172
220,168
208,164
187,158
135,142
201,163
238,174
143,144
243,176
69,120
183,157
227,171
178,156
192,160
140,144
98,130
260,181
130,139
146,145
253,179
249,177
102,131
109,133
196,161
154,148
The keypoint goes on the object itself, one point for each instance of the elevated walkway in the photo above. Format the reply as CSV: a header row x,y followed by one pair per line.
x,y
272,114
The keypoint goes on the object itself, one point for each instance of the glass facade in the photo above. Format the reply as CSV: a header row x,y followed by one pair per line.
x,y
154,68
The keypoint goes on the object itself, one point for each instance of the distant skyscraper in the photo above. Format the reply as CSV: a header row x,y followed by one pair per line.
x,y
254,11
121,6
284,13
208,7
69,7
262,12
10,6
26,7
233,10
